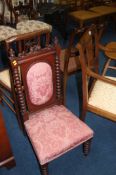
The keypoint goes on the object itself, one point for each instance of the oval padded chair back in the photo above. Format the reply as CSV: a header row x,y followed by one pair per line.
x,y
39,82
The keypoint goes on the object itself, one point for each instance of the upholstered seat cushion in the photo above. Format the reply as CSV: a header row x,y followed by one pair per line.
x,y
55,131
103,96
5,78
7,32
32,25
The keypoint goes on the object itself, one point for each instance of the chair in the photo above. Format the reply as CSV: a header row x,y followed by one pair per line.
x,y
69,58
99,91
6,17
5,33
110,52
12,11
7,14
51,128
7,94
20,18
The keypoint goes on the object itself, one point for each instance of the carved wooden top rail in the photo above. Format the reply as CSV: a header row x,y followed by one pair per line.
x,y
28,42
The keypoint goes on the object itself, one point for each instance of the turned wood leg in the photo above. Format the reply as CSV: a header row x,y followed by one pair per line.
x,y
86,147
44,169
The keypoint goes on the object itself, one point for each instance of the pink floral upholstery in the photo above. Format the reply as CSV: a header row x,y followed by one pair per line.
x,y
39,81
55,131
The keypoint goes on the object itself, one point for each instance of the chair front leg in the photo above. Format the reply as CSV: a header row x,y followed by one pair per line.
x,y
44,169
86,147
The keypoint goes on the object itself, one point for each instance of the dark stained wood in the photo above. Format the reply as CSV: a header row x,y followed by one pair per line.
x,y
24,61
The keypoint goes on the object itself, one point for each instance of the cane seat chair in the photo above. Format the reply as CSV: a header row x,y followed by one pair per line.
x,y
51,128
99,91
7,94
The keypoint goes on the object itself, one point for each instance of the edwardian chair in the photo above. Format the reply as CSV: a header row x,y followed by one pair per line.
x,y
99,91
51,128
7,94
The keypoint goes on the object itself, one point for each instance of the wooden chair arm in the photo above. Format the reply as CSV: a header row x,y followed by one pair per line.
x,y
100,77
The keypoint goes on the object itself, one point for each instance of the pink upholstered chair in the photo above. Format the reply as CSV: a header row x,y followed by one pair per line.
x,y
51,128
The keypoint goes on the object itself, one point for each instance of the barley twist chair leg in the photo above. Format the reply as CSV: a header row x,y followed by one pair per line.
x,y
44,169
86,147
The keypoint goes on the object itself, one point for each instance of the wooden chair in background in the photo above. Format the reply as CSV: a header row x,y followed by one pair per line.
x,y
22,20
41,106
69,57
99,91
110,52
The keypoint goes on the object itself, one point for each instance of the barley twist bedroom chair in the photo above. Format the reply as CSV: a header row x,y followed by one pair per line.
x,y
51,128
7,94
99,91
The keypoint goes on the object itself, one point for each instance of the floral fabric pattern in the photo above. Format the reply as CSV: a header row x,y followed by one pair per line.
x,y
39,81
32,25
7,32
55,131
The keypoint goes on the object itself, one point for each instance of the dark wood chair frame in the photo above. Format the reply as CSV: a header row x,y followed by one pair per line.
x,y
25,60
